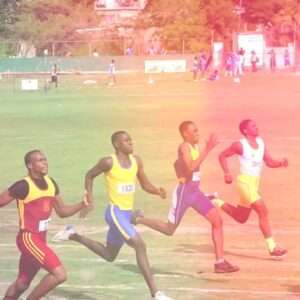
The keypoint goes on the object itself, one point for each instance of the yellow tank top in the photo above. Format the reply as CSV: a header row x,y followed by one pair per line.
x,y
36,193
194,151
35,210
120,183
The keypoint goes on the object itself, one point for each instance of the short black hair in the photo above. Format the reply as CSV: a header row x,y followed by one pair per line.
x,y
28,156
184,125
243,125
116,135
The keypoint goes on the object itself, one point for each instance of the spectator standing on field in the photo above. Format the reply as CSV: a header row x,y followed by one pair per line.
x,y
195,68
112,73
254,61
287,61
272,60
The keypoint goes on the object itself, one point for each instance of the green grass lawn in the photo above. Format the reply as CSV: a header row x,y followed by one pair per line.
x,y
73,125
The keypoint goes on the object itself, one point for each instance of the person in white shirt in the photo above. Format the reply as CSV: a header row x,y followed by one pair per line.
x,y
252,153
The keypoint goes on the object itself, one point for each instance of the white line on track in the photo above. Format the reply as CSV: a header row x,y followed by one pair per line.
x,y
180,289
230,229
120,261
155,249
202,263
213,277
236,291
79,286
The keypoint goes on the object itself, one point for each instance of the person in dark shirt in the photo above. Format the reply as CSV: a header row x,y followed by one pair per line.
x,y
37,195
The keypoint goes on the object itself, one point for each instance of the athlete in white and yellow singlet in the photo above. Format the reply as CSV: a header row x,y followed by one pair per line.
x,y
121,171
252,153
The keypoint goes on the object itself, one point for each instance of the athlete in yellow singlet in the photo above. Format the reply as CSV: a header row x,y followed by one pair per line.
x,y
188,194
252,154
121,171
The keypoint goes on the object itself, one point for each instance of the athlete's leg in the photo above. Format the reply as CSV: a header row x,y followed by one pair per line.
x,y
265,228
262,213
139,246
114,239
48,282
238,213
16,289
201,203
204,207
49,261
121,229
28,268
27,271
167,228
247,187
215,220
177,210
108,252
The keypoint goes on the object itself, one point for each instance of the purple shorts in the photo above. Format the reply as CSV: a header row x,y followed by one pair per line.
x,y
185,196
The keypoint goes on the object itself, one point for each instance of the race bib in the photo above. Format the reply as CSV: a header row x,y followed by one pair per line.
x,y
43,224
196,176
126,188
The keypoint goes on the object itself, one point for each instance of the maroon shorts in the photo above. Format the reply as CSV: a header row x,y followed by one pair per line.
x,y
35,254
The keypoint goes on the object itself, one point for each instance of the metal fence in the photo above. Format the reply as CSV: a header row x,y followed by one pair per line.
x,y
94,48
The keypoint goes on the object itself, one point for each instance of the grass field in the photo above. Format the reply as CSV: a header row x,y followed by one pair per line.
x,y
73,124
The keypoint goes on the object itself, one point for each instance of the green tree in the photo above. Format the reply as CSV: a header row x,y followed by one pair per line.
x,y
277,17
41,22
194,21
8,11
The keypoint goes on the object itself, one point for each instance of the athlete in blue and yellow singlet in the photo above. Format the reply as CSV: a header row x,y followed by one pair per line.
x,y
120,186
121,171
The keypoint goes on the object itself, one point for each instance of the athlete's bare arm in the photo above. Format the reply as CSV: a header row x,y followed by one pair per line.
x,y
194,164
63,210
104,165
5,198
145,182
274,163
234,149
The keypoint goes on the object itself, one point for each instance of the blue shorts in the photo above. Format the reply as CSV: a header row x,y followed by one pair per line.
x,y
120,227
185,196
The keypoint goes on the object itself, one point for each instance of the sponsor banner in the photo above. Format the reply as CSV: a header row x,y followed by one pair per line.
x,y
165,66
29,84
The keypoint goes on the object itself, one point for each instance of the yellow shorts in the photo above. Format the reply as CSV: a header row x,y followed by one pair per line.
x,y
248,189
